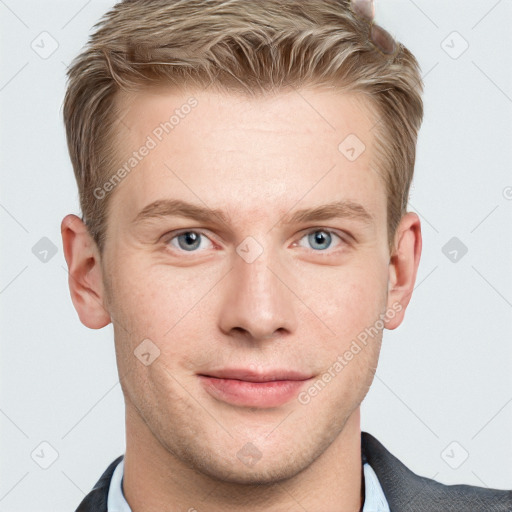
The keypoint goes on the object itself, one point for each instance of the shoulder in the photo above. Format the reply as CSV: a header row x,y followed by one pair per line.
x,y
405,490
96,500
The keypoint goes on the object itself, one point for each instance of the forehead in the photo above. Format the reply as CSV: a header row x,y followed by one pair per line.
x,y
250,153
314,111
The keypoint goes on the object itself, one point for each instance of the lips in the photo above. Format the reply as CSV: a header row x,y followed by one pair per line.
x,y
252,376
246,388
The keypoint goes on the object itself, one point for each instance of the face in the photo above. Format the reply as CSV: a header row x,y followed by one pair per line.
x,y
252,286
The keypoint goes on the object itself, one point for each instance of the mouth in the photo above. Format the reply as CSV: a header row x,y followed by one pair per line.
x,y
248,375
249,389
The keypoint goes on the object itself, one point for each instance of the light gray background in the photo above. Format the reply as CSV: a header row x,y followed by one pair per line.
x,y
443,388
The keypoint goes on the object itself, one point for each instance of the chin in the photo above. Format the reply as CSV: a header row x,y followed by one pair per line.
x,y
265,475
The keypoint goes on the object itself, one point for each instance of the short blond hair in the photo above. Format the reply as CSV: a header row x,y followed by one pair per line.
x,y
238,46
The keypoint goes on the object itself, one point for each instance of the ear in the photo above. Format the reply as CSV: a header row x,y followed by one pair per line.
x,y
85,274
403,266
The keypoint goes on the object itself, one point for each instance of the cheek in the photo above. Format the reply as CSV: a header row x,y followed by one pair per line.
x,y
153,298
166,305
346,300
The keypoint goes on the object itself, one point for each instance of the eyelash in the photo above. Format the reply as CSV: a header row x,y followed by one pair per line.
x,y
313,230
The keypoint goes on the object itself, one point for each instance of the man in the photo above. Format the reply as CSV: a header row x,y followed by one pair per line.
x,y
244,170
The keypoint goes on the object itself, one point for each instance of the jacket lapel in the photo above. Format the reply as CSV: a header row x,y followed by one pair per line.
x,y
406,491
96,500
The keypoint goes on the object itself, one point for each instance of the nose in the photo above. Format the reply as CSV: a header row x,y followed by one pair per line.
x,y
257,302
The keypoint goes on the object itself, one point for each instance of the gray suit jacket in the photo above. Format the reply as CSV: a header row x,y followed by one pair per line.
x,y
404,490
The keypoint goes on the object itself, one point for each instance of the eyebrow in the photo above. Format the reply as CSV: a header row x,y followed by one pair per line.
x,y
337,209
178,208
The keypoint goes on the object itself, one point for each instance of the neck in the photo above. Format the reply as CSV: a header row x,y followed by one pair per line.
x,y
156,480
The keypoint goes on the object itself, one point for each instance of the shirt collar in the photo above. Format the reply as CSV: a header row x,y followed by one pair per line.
x,y
374,500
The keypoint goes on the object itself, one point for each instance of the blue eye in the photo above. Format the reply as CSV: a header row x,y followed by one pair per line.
x,y
188,240
191,241
320,239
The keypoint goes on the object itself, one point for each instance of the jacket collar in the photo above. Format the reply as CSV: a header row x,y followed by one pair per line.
x,y
96,500
406,491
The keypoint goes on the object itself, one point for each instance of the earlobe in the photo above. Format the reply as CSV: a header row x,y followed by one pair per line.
x,y
85,277
403,267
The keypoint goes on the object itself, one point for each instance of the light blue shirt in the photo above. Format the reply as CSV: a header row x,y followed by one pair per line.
x,y
374,499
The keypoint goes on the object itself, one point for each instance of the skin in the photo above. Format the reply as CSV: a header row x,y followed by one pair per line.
x,y
298,305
